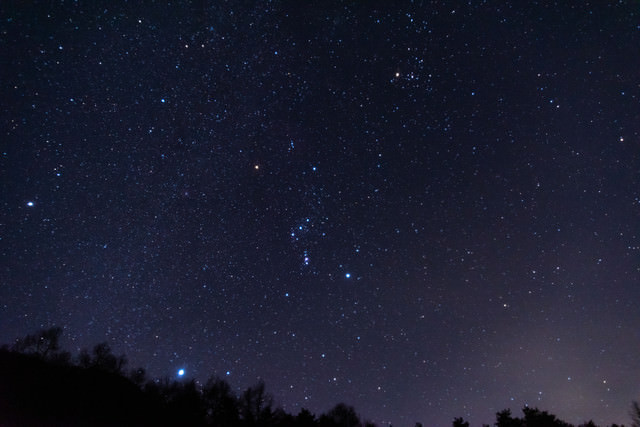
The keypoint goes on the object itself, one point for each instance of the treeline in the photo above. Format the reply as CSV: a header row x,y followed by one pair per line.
x,y
42,385
534,417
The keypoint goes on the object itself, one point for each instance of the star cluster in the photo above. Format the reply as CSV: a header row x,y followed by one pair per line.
x,y
426,210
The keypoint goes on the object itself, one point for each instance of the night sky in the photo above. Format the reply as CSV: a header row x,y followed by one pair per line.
x,y
423,209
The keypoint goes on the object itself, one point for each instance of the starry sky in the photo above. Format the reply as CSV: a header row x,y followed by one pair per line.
x,y
423,209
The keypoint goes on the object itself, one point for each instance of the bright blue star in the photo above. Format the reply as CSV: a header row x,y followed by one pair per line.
x,y
181,372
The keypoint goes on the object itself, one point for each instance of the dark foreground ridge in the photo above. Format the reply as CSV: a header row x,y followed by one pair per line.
x,y
40,385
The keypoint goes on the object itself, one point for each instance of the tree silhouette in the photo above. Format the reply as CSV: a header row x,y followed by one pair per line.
x,y
256,405
341,415
635,414
305,418
221,406
504,419
281,418
44,343
533,417
138,376
185,402
103,359
460,422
